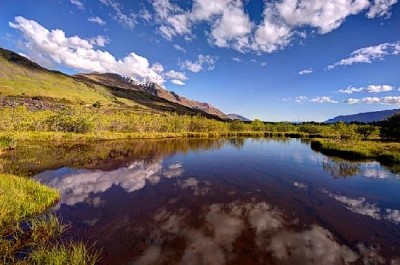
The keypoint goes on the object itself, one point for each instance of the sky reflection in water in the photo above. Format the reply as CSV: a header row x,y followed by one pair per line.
x,y
247,202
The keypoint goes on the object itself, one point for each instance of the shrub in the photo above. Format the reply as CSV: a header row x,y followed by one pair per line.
x,y
390,128
68,121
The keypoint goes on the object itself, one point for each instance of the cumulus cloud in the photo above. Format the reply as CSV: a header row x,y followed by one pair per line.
x,y
369,54
325,15
79,4
323,99
176,75
236,59
172,19
97,20
230,25
369,89
127,20
203,62
80,54
390,100
381,8
76,186
306,71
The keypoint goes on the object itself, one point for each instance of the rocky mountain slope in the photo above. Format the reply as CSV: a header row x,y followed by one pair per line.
x,y
152,89
23,82
365,116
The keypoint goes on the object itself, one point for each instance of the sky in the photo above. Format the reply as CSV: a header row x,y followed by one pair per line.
x,y
286,60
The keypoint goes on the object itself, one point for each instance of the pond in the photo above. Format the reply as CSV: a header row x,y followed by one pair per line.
x,y
220,201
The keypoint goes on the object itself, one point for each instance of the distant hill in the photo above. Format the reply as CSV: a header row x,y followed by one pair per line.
x,y
23,82
237,117
365,116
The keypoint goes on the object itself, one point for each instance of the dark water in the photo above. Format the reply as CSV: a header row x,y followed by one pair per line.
x,y
222,201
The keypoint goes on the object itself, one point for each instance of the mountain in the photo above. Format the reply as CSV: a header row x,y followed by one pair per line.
x,y
237,117
24,82
152,89
365,116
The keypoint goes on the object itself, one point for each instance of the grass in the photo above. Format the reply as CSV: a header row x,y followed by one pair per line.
x,y
21,198
28,234
71,254
385,152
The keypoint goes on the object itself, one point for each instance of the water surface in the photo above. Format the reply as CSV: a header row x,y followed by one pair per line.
x,y
222,201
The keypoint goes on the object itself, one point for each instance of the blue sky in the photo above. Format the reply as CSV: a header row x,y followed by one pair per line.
x,y
287,60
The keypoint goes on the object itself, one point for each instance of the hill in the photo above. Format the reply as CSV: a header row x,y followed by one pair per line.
x,y
152,89
237,117
24,82
365,116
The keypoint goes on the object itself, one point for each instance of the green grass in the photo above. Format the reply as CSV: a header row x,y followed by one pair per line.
x,y
68,254
28,235
385,152
21,198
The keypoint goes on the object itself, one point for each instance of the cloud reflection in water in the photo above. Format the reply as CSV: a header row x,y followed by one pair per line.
x,y
222,225
76,186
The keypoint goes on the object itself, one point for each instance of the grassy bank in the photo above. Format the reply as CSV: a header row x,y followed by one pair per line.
x,y
385,152
28,235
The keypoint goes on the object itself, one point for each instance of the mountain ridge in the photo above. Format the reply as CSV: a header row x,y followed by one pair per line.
x,y
372,116
22,78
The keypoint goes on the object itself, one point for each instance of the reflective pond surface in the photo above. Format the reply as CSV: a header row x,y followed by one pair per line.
x,y
220,201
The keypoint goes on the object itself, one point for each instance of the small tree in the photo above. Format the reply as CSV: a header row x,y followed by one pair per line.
x,y
391,127
366,131
257,125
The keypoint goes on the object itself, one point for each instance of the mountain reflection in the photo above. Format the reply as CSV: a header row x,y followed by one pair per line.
x,y
75,186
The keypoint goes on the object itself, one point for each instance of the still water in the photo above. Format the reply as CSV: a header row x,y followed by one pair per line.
x,y
223,201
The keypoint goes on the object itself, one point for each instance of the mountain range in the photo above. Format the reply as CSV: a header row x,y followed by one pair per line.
x,y
24,82
365,116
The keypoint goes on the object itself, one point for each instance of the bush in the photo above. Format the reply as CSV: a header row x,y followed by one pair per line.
x,y
68,121
390,128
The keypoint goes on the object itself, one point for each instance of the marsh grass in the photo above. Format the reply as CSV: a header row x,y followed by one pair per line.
x,y
71,254
28,233
385,152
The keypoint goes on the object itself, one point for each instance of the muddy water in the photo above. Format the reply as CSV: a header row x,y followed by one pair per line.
x,y
224,201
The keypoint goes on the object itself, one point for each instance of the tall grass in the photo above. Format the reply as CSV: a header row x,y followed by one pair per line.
x,y
28,235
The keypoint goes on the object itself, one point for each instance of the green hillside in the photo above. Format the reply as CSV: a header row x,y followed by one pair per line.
x,y
21,78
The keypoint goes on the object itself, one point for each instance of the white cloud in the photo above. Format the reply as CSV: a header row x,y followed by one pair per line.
x,y
145,15
325,15
173,20
236,59
391,100
301,99
177,82
369,54
176,75
323,99
381,8
78,3
370,89
306,71
203,62
179,48
97,20
263,64
127,20
80,54
100,41
230,25
232,28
